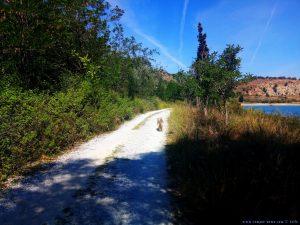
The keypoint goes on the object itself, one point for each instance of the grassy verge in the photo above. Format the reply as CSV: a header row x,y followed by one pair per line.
x,y
248,170
35,126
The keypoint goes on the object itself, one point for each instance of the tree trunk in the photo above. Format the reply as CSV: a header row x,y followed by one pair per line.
x,y
226,113
198,103
206,107
188,101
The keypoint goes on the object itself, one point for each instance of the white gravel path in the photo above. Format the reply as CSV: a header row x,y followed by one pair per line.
x,y
115,178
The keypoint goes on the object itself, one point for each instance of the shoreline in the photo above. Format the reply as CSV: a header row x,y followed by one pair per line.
x,y
271,104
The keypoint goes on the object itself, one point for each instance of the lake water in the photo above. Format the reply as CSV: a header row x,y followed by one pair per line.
x,y
285,110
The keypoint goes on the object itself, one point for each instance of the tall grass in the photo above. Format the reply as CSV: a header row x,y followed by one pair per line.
x,y
34,125
246,170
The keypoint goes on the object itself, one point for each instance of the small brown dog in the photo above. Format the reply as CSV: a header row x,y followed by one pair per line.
x,y
160,124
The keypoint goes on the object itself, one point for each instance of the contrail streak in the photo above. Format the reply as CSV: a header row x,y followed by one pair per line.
x,y
129,20
263,34
182,23
162,48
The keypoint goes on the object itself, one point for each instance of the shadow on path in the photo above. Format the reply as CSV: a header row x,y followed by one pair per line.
x,y
123,191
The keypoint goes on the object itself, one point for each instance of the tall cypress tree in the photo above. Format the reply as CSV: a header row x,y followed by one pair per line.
x,y
203,50
200,64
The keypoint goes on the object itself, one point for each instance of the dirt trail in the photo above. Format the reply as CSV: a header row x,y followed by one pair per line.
x,y
116,178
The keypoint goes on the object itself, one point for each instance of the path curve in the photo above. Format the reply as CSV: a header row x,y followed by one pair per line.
x,y
115,178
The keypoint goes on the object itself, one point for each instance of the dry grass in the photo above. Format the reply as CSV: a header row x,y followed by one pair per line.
x,y
248,169
189,122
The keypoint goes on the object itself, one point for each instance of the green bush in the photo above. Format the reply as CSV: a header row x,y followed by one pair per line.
x,y
36,124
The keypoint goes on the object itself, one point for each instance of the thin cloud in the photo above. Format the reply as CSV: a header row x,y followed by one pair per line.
x,y
182,23
129,20
263,34
161,48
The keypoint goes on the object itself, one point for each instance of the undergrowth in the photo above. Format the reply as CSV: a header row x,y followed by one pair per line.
x,y
246,170
36,125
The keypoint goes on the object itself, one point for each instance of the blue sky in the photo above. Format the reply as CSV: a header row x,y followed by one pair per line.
x,y
268,31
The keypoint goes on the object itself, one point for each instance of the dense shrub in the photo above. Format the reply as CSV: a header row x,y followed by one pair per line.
x,y
36,124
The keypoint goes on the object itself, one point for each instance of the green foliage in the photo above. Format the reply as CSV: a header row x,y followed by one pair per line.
x,y
229,73
182,87
208,73
38,38
189,87
92,70
45,42
67,73
247,78
37,124
241,98
264,90
218,75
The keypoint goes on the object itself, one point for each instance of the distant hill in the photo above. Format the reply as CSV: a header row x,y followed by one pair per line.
x,y
166,76
270,90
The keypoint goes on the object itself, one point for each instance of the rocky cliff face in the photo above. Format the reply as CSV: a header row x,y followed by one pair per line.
x,y
263,89
166,76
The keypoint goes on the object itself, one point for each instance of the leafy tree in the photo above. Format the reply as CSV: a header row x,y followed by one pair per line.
x,y
161,88
229,74
46,43
217,75
208,72
38,38
248,77
172,91
188,86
